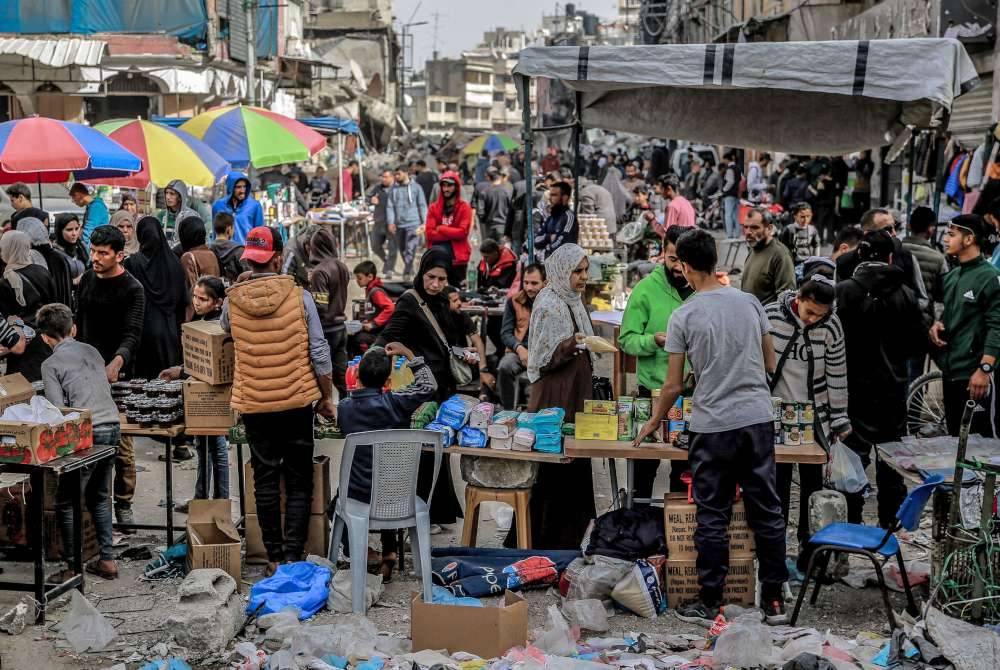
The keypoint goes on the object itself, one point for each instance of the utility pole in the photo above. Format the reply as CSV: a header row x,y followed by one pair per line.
x,y
436,16
251,54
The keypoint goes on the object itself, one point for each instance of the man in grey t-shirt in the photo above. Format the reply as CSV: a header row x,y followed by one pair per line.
x,y
723,332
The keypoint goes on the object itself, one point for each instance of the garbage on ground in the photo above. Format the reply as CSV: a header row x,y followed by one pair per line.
x,y
443,596
84,627
167,664
594,578
744,643
15,619
303,585
460,628
339,599
557,638
587,614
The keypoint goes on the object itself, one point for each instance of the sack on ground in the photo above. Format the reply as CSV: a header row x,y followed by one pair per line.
x,y
640,591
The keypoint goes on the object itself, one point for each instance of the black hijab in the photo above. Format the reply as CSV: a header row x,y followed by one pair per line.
x,y
438,304
77,250
191,233
156,266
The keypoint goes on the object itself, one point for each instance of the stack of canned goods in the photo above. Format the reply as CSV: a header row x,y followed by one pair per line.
x,y
793,422
675,427
150,403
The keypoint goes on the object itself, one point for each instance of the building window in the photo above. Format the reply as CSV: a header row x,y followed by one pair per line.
x,y
484,114
450,107
469,113
512,105
497,96
435,106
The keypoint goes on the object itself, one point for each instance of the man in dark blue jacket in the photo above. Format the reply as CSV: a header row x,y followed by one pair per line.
x,y
369,408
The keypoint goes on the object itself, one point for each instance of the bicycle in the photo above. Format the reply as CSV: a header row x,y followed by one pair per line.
x,y
925,406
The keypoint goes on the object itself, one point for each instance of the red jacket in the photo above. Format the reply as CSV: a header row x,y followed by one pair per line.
x,y
454,228
382,305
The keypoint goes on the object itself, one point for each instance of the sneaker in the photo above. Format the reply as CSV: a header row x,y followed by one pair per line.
x,y
697,612
124,516
774,612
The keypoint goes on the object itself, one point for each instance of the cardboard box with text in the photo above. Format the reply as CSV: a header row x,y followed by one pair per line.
x,y
316,543
28,442
682,582
207,406
680,522
208,352
212,538
485,631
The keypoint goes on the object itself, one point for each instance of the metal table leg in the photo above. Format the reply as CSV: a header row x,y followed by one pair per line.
x,y
36,534
629,479
240,473
77,558
170,491
613,473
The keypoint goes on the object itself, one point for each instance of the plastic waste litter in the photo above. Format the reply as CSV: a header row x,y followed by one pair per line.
x,y
85,628
744,643
354,635
38,410
587,614
172,663
253,658
302,585
595,580
557,639
844,471
443,596
169,563
14,620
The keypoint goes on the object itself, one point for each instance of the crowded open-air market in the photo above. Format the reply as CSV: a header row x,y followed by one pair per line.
x,y
366,335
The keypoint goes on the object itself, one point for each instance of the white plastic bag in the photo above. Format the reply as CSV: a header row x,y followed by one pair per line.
x,y
744,643
85,628
557,639
587,614
595,580
844,471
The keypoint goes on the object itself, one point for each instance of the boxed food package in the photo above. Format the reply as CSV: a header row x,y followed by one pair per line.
x,y
682,582
504,424
596,426
481,416
680,521
316,542
30,442
505,443
487,631
524,439
626,426
321,487
207,406
608,407
208,352
212,538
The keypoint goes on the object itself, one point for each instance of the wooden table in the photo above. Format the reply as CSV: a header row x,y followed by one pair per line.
x,y
505,454
169,433
71,464
612,449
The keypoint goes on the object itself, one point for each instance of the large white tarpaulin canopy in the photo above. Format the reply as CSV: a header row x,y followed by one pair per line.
x,y
821,98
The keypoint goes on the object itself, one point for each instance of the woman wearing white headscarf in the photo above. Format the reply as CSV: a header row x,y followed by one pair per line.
x,y
561,375
24,288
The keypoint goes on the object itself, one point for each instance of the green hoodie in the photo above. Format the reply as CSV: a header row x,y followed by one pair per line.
x,y
971,318
648,312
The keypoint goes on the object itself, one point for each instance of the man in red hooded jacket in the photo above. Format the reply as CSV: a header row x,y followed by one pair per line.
x,y
449,219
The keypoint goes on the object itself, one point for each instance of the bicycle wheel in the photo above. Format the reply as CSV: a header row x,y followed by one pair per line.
x,y
925,406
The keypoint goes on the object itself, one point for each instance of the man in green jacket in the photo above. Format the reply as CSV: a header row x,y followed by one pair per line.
x,y
968,334
643,334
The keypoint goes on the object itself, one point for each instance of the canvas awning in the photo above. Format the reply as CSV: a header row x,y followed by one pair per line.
x,y
55,52
796,97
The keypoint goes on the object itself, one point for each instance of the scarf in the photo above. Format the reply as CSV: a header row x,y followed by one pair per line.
x,y
157,267
15,251
131,243
76,250
435,257
556,307
37,235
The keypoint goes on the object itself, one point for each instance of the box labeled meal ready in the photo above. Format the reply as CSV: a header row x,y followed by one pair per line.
x,y
207,406
212,538
28,442
208,352
487,631
321,487
680,521
14,389
682,582
596,426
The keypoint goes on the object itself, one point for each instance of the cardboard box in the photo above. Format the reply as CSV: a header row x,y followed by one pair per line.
x,y
26,442
207,406
609,407
682,582
680,521
208,352
321,486
485,631
212,538
596,426
317,541
14,389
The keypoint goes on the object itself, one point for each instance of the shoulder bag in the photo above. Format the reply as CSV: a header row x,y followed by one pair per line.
x,y
460,370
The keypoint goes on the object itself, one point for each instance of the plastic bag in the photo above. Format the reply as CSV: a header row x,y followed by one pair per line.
x,y
85,628
640,592
454,411
447,432
471,437
596,580
745,643
340,598
302,585
587,614
443,596
844,471
557,639
253,658
355,635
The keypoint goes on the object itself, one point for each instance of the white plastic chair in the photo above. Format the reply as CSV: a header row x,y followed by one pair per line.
x,y
394,502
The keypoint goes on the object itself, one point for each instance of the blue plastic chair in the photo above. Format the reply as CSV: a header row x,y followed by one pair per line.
x,y
877,544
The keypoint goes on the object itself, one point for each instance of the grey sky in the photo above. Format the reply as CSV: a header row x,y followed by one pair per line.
x,y
461,23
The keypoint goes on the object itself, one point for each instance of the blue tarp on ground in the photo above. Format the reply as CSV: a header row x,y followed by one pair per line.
x,y
183,18
321,123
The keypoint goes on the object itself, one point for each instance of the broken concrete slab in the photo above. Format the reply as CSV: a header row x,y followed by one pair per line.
x,y
498,473
208,611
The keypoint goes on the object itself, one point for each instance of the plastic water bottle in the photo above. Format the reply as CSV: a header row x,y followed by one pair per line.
x,y
401,375
351,377
471,279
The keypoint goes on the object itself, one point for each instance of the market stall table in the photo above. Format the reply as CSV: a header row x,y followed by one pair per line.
x,y
612,449
169,433
71,464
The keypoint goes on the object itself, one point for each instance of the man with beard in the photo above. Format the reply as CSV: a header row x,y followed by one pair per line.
x,y
769,269
882,330
514,333
643,334
449,219
561,226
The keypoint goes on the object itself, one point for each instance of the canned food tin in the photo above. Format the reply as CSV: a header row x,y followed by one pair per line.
x,y
807,435
806,414
792,436
676,412
686,407
642,409
656,393
674,430
665,430
777,433
776,404
790,413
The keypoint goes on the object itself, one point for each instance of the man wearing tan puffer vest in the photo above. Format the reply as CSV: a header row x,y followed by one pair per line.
x,y
282,367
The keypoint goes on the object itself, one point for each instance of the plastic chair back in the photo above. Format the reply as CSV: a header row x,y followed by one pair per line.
x,y
911,509
395,464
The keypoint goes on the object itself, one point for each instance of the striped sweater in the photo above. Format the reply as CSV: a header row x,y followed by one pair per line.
x,y
813,371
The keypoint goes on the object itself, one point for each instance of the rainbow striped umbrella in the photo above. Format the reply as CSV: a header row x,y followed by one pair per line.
x,y
254,136
167,154
491,143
